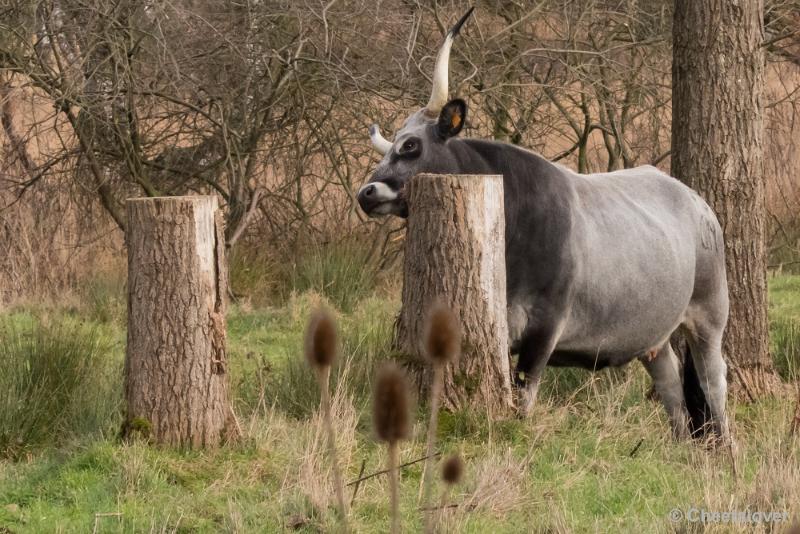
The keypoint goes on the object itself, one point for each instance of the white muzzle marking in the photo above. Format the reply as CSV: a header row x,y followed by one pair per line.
x,y
383,193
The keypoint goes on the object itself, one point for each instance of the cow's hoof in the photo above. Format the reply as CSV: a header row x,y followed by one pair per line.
x,y
524,412
526,400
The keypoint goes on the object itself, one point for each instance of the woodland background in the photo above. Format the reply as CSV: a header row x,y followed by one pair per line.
x,y
267,104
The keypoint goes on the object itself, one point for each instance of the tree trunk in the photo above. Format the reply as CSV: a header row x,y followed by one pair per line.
x,y
176,385
455,252
717,149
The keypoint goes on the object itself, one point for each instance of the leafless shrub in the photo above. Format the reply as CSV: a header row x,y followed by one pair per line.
x,y
266,104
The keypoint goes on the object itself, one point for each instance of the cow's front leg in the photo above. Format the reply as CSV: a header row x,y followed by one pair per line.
x,y
534,352
527,391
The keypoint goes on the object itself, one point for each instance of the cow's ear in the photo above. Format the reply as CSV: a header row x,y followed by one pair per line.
x,y
452,118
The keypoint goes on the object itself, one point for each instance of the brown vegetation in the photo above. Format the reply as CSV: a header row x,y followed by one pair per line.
x,y
321,352
442,346
392,420
267,104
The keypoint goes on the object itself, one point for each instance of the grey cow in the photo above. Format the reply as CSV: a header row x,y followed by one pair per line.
x,y
601,268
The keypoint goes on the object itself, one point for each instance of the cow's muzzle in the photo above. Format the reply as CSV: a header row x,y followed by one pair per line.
x,y
377,198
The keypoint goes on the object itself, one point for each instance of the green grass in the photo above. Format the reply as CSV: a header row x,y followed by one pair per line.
x,y
567,469
267,343
344,272
784,313
57,382
339,271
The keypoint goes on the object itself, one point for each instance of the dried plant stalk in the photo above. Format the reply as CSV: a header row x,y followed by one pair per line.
x,y
394,484
321,351
452,470
324,379
321,342
390,407
391,417
442,335
443,344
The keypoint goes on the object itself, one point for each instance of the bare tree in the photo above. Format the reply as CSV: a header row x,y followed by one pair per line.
x,y
717,138
266,104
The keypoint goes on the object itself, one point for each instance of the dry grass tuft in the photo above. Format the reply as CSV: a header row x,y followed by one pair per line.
x,y
308,473
392,420
773,483
498,485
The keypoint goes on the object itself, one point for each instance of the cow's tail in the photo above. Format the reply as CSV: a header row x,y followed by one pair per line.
x,y
696,404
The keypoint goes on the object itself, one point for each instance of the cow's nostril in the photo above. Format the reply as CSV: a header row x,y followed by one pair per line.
x,y
369,191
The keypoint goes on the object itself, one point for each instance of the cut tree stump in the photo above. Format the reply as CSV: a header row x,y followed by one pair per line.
x,y
455,254
176,385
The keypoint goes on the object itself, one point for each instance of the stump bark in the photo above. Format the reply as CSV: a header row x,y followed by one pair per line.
x,y
455,254
176,385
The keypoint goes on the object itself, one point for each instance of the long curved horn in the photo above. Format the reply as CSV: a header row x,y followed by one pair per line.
x,y
439,92
378,141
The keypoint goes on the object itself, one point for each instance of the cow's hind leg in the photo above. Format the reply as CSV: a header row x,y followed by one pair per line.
x,y
534,352
705,345
664,369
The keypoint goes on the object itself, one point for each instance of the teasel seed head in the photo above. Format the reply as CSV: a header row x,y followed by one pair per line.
x,y
453,469
443,335
321,342
390,405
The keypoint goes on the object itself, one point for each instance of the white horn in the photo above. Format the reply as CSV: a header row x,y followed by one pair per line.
x,y
378,141
440,70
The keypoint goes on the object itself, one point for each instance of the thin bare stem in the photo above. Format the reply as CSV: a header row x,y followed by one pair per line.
x,y
324,379
386,471
443,506
394,484
358,483
427,473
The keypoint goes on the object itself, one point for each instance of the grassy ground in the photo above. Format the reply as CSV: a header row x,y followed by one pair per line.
x,y
784,313
596,456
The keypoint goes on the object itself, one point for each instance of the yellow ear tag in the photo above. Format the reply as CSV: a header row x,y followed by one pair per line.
x,y
455,121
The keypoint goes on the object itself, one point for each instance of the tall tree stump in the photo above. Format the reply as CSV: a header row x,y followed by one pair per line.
x,y
455,253
176,385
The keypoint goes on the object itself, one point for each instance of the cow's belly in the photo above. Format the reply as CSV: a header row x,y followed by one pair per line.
x,y
593,361
633,325
632,287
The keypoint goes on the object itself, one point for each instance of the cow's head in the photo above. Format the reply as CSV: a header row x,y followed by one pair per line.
x,y
419,146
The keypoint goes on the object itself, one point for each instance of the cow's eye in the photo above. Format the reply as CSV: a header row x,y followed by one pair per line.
x,y
409,148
